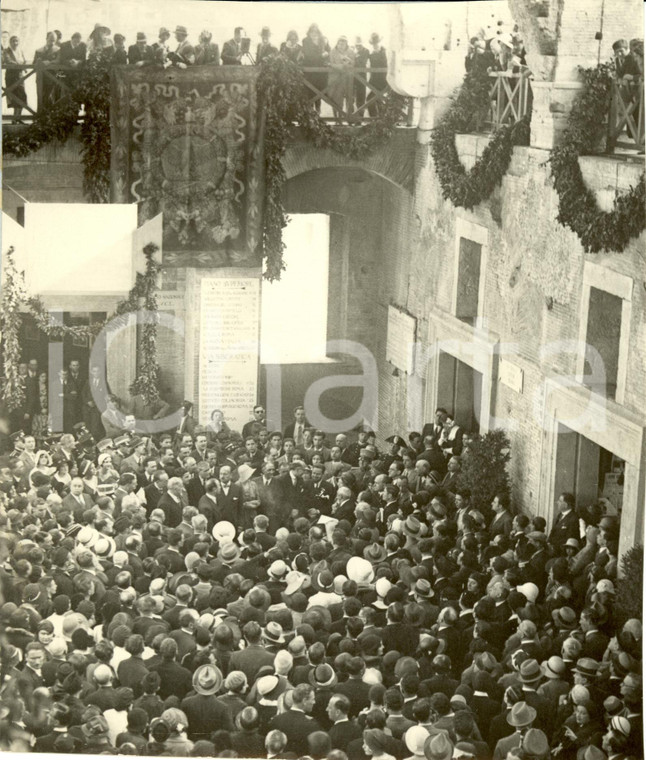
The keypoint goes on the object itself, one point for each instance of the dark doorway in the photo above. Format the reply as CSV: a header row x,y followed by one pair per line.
x,y
459,388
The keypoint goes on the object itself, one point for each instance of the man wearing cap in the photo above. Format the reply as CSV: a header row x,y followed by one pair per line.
x,y
184,54
141,54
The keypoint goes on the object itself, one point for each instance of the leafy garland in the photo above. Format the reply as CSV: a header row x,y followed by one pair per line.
x,y
91,91
13,296
142,295
463,188
598,230
284,99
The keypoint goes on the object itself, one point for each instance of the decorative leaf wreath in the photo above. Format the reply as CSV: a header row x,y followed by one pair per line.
x,y
468,188
598,230
143,295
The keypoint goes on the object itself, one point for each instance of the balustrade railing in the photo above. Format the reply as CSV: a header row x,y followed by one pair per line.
x,y
510,97
626,116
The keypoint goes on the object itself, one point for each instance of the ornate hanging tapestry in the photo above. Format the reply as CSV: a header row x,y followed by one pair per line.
x,y
188,144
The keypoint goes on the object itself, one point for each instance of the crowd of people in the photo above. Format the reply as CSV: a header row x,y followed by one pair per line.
x,y
272,593
314,51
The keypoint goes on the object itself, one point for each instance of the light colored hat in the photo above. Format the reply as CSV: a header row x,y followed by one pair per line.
x,y
223,531
360,570
605,586
438,747
415,739
278,569
521,714
554,667
295,580
207,679
266,684
383,586
87,536
529,591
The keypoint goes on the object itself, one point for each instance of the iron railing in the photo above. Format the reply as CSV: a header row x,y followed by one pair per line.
x,y
626,116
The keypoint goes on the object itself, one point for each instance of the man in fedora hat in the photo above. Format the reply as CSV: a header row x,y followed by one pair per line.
x,y
530,677
521,717
141,54
203,710
184,54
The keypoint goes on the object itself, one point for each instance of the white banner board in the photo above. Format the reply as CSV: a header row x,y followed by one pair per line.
x,y
229,335
400,339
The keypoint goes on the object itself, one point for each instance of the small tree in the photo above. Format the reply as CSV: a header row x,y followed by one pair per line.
x,y
629,589
484,469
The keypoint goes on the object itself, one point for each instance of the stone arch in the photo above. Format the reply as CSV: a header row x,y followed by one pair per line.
x,y
394,161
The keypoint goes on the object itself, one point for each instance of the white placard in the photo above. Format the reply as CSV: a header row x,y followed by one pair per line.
x,y
78,248
400,340
511,375
229,333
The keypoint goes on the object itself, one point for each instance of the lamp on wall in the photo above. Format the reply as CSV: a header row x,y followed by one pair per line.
x,y
395,372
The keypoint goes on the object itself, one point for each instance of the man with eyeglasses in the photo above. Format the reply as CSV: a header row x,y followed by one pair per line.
x,y
254,426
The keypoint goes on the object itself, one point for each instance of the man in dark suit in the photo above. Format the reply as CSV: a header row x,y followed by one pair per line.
x,y
196,486
229,498
187,424
93,402
566,524
319,493
270,495
73,52
434,429
76,501
295,723
296,429
343,730
32,394
292,488
172,503
76,383
155,490
344,505
184,54
253,426
141,54
232,49
254,656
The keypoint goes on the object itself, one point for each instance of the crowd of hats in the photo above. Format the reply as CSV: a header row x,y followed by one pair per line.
x,y
457,640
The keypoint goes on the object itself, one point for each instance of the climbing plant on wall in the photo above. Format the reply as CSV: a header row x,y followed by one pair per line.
x,y
15,302
466,114
578,209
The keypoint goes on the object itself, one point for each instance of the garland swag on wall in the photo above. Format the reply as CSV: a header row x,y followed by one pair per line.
x,y
284,99
598,230
143,295
58,122
462,188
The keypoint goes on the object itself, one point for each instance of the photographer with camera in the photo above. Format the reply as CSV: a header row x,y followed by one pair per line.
x,y
235,49
184,54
